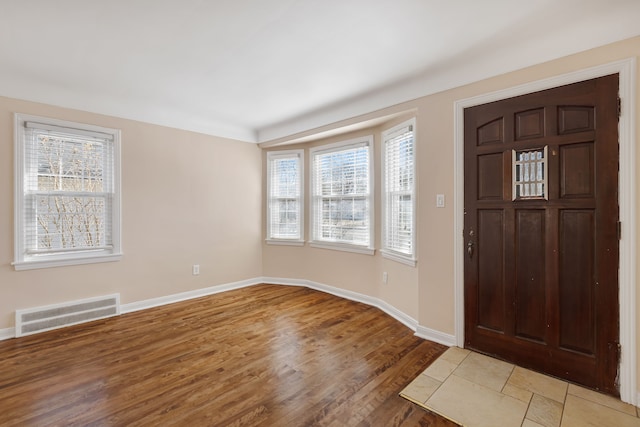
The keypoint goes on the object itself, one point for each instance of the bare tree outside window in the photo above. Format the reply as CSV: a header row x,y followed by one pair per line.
x,y
70,200
67,198
342,195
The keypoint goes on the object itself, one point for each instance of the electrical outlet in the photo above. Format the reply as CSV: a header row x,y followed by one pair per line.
x,y
385,277
196,269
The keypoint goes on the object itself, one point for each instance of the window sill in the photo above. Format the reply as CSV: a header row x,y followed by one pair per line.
x,y
62,262
283,242
343,247
394,256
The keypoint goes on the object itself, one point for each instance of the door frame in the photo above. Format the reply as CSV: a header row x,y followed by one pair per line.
x,y
627,202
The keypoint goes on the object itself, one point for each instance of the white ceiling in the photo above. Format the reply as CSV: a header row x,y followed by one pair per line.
x,y
259,70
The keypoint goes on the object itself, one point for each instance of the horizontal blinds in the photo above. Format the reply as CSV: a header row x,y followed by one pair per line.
x,y
342,194
285,192
69,131
68,189
399,177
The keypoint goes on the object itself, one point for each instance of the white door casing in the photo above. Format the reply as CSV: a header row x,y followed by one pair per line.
x,y
627,202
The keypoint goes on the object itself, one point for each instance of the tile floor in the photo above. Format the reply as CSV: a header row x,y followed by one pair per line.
x,y
476,391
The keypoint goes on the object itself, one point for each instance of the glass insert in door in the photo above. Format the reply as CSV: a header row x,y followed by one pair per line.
x,y
530,174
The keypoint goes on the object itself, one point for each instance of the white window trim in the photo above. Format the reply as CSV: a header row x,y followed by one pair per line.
x,y
344,247
338,246
283,241
89,256
399,257
410,260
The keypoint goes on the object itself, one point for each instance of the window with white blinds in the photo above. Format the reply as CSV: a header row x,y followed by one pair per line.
x,y
398,180
285,197
67,193
342,197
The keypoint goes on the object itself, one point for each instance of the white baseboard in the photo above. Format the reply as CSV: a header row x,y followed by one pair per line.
x,y
401,317
420,331
7,333
184,296
437,336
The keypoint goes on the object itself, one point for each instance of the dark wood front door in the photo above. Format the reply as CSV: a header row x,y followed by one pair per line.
x,y
541,231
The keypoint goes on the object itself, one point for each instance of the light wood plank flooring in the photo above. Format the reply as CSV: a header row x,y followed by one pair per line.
x,y
260,356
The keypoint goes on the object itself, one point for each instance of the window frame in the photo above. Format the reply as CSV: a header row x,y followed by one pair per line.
x,y
26,261
387,251
286,154
364,141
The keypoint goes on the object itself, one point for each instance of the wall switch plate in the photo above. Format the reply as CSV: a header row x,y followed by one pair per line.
x,y
439,200
385,277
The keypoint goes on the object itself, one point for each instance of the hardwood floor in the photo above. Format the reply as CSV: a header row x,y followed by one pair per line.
x,y
260,356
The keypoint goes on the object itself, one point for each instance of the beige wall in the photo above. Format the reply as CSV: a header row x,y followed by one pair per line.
x,y
209,209
187,199
426,292
435,163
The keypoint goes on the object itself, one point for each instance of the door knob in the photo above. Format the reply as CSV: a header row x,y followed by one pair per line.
x,y
470,248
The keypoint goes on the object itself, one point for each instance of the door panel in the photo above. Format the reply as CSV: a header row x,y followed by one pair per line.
x,y
491,132
530,124
575,119
491,280
491,176
577,170
541,268
576,268
530,274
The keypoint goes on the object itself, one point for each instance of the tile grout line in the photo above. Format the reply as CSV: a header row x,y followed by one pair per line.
x,y
564,405
434,391
443,381
567,391
524,417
